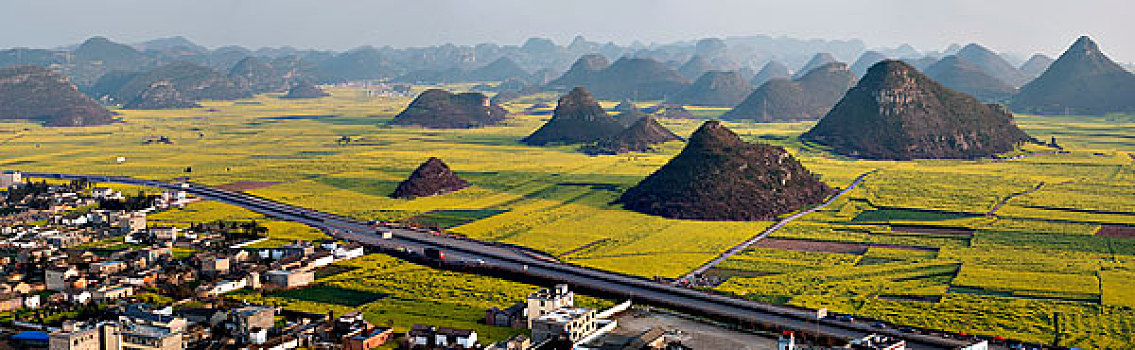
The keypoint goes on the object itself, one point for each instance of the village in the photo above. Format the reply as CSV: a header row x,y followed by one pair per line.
x,y
62,288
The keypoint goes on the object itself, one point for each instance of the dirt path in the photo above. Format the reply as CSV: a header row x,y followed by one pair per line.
x,y
1000,204
746,244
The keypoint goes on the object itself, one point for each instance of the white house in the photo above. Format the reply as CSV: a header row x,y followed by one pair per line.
x,y
348,252
81,297
222,287
32,302
105,193
11,178
321,260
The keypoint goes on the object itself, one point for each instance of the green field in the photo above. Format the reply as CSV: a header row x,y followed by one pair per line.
x,y
931,256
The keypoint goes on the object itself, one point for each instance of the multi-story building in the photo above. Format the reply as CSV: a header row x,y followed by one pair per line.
x,y
147,337
78,336
249,321
544,301
568,323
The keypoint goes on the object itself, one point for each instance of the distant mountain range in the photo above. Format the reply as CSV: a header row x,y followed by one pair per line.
x,y
115,73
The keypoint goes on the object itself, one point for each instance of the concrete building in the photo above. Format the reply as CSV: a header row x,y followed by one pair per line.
x,y
248,322
441,337
108,267
58,278
165,233
349,251
517,342
10,178
366,339
77,336
215,264
288,279
146,337
515,316
108,293
105,193
877,342
10,303
544,301
132,223
568,323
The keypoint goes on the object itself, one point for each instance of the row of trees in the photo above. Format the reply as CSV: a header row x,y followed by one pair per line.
x,y
233,230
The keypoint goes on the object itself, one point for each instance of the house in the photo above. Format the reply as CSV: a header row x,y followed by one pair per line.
x,y
366,339
285,279
350,251
33,301
544,301
247,322
146,337
569,323
80,336
132,223
173,197
108,267
517,342
105,193
58,278
207,316
877,342
164,233
515,316
440,337
10,178
221,287
81,297
215,264
455,337
299,250
108,293
11,302
320,259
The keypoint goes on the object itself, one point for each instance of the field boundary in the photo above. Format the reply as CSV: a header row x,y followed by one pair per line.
x,y
753,240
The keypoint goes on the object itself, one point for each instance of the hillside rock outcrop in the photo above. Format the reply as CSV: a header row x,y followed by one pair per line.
x,y
38,94
578,118
431,178
440,109
895,112
717,176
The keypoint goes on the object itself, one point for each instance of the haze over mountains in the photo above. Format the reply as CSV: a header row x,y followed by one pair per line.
x,y
703,72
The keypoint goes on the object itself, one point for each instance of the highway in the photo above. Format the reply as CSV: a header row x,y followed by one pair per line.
x,y
515,260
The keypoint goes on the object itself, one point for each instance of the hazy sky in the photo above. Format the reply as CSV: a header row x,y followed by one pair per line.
x,y
1020,26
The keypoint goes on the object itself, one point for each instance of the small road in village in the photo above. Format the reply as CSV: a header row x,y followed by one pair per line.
x,y
522,265
751,241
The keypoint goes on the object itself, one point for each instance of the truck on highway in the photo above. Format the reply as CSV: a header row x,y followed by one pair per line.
x,y
434,253
386,234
